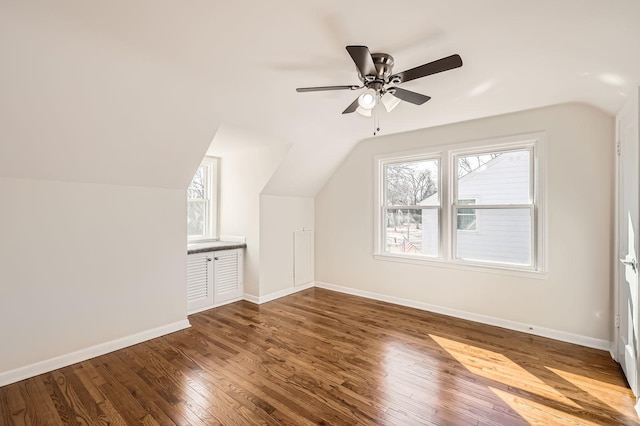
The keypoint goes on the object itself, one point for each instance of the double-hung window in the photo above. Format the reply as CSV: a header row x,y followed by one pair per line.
x,y
202,206
411,208
503,204
477,204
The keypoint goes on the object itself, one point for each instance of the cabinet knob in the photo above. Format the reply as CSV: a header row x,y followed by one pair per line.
x,y
208,259
215,258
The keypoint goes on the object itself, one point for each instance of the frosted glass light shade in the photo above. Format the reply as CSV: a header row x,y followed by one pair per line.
x,y
368,99
363,112
390,102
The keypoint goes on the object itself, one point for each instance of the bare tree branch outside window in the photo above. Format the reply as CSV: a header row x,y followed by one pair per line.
x,y
469,163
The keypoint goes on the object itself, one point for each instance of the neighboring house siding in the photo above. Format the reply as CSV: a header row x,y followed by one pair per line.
x,y
430,240
501,235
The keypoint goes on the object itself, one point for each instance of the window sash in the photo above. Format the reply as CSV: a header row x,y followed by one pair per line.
x,y
533,257
205,217
489,151
438,230
385,207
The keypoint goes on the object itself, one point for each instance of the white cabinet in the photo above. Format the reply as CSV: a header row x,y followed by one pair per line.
x,y
214,278
199,281
228,275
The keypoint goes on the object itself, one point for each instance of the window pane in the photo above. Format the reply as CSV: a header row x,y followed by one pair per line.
x,y
196,218
495,178
197,188
504,236
466,217
412,183
466,220
412,231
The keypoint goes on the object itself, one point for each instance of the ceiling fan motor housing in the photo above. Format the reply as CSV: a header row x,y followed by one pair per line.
x,y
384,67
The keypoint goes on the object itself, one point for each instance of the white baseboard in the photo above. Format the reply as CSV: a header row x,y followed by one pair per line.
x,y
278,294
41,367
217,305
563,336
251,298
45,366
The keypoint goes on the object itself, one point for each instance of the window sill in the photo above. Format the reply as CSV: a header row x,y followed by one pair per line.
x,y
463,266
199,240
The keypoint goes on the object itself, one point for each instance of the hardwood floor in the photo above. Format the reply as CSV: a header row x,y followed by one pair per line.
x,y
320,357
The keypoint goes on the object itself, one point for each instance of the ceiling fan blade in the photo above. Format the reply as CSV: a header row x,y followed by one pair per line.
x,y
409,96
362,57
444,64
323,88
351,108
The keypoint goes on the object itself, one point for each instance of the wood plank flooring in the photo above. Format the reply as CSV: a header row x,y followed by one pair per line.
x,y
325,358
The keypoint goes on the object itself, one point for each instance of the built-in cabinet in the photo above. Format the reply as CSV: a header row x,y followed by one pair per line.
x,y
214,278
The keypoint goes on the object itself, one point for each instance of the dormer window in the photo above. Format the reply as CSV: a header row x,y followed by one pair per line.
x,y
202,202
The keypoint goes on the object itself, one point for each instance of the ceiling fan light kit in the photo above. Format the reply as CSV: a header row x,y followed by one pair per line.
x,y
375,72
368,99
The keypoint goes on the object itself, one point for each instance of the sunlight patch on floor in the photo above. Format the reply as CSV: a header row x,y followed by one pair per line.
x,y
538,414
600,390
497,367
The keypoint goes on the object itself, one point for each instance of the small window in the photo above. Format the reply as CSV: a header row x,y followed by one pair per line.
x,y
466,217
202,202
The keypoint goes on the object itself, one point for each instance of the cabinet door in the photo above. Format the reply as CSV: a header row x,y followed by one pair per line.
x,y
199,282
228,280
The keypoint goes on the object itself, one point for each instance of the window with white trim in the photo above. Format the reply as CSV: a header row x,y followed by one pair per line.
x,y
202,202
411,207
423,205
504,205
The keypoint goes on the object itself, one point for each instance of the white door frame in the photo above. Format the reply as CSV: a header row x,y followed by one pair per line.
x,y
619,278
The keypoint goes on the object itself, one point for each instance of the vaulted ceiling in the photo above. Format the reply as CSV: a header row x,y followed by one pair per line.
x,y
118,91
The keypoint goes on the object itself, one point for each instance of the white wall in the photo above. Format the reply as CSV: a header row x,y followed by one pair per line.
x,y
249,161
243,175
280,217
83,264
104,117
573,298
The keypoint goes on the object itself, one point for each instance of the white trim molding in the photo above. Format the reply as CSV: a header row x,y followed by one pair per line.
x,y
45,366
563,336
259,300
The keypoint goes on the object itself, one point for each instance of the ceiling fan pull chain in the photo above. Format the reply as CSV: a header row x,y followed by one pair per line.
x,y
376,117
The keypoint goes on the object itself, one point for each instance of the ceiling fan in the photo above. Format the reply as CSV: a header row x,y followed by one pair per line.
x,y
375,73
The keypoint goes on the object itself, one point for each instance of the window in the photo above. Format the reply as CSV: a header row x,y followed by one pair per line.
x,y
411,207
202,203
477,204
502,180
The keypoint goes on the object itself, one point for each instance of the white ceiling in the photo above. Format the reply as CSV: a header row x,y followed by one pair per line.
x,y
517,56
240,61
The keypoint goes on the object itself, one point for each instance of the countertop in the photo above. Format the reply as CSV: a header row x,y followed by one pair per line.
x,y
213,246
